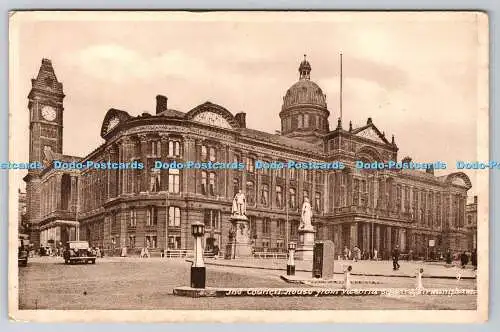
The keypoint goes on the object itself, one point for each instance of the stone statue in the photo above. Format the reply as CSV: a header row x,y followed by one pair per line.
x,y
306,215
239,204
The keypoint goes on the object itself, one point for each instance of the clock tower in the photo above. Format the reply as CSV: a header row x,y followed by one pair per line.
x,y
45,105
46,113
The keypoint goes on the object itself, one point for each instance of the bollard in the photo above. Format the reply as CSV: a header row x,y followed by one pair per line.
x,y
198,272
419,284
290,266
347,277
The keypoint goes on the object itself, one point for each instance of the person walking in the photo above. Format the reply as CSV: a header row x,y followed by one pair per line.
x,y
375,254
464,259
346,253
395,258
473,259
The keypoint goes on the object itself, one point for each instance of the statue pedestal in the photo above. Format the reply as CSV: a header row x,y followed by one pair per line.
x,y
305,247
242,246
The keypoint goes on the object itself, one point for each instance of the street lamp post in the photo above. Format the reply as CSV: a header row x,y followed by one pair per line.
x,y
290,266
198,272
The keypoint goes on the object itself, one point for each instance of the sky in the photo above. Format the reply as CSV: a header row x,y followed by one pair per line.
x,y
415,75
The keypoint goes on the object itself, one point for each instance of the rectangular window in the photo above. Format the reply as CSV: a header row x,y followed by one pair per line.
x,y
204,182
265,244
133,218
211,219
174,216
156,148
151,216
280,245
281,225
294,229
151,241
292,174
173,180
266,226
174,242
131,241
174,148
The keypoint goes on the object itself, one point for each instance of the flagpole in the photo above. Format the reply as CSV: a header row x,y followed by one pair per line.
x,y
340,100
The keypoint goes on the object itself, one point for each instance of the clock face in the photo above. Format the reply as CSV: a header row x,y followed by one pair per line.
x,y
49,113
113,122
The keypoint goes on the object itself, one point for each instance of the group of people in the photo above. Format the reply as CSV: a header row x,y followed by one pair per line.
x,y
357,254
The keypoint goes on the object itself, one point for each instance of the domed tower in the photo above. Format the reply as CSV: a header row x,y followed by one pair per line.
x,y
304,113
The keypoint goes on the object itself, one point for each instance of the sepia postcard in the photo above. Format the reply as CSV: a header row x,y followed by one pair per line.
x,y
248,166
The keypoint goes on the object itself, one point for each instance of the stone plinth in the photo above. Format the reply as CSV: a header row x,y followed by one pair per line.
x,y
242,246
305,247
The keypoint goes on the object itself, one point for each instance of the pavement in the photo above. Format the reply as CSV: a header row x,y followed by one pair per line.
x,y
360,268
134,283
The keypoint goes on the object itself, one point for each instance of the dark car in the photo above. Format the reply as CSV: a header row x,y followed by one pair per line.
x,y
22,252
78,252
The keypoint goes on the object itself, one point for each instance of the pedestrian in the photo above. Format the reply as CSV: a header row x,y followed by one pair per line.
x,y
347,277
448,257
356,253
346,253
464,259
375,254
474,259
216,251
395,258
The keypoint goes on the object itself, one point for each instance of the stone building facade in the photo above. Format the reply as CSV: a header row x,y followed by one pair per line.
x,y
134,208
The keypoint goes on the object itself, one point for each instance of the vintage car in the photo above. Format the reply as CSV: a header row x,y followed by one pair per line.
x,y
22,252
78,252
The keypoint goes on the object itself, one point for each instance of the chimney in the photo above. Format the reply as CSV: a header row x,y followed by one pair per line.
x,y
241,119
475,199
161,103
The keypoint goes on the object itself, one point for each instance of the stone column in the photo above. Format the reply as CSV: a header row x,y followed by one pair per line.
x,y
402,239
366,237
353,239
74,194
388,240
127,152
230,174
144,185
377,239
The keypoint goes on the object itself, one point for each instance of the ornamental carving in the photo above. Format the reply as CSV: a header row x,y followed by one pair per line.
x,y
370,134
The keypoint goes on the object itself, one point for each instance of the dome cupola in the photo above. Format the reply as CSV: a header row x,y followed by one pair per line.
x,y
304,112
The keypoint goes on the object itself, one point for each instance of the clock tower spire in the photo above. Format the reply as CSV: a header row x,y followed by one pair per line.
x,y
46,113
